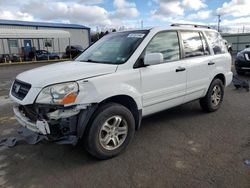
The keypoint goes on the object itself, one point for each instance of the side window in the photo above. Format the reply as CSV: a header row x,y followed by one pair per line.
x,y
192,44
166,43
216,42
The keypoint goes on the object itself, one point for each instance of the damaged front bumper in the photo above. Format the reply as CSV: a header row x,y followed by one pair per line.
x,y
58,123
40,126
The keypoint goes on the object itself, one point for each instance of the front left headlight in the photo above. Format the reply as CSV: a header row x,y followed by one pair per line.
x,y
59,94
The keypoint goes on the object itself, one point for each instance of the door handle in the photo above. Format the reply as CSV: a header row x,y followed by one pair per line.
x,y
180,69
211,63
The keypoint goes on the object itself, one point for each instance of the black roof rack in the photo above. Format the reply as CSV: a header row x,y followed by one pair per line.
x,y
193,25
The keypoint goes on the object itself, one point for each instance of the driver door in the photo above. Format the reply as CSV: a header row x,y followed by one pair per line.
x,y
163,85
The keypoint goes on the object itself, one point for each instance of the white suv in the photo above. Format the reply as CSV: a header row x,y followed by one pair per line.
x,y
101,96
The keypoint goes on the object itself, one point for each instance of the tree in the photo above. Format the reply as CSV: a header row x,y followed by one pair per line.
x,y
96,36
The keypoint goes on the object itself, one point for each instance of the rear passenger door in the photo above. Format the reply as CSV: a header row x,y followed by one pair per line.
x,y
196,55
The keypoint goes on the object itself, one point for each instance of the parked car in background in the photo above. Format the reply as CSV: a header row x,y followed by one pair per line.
x,y
4,58
101,96
9,58
74,50
45,55
242,61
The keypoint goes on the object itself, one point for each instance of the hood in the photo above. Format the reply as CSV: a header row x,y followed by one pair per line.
x,y
64,72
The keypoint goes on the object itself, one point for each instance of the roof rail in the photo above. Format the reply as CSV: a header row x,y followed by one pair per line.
x,y
193,25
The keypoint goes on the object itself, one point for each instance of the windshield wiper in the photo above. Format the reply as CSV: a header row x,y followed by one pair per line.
x,y
92,61
88,60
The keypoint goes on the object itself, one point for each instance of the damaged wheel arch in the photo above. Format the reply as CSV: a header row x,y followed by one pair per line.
x,y
86,116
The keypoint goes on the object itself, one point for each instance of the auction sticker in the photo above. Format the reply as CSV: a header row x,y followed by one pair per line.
x,y
136,35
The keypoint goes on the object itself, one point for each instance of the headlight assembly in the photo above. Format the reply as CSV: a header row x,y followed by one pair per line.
x,y
59,94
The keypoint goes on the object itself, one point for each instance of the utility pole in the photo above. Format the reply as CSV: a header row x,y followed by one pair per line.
x,y
97,32
141,24
219,20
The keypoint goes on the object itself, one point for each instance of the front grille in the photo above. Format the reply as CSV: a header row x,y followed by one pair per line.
x,y
20,89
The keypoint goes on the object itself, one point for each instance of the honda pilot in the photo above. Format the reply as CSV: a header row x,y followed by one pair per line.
x,y
101,97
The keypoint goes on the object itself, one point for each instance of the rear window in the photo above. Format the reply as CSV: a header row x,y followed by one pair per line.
x,y
216,42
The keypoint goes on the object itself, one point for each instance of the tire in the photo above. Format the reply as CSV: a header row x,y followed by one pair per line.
x,y
104,138
214,97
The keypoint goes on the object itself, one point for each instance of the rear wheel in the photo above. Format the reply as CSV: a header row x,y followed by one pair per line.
x,y
214,97
112,129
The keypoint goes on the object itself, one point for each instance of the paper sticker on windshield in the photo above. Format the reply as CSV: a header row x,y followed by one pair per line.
x,y
136,35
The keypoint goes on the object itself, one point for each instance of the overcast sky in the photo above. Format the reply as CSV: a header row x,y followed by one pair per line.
x,y
115,13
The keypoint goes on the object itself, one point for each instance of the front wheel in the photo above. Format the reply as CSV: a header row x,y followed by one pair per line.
x,y
214,97
112,129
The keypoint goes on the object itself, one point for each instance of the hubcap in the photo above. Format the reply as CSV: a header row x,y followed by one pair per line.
x,y
216,95
113,132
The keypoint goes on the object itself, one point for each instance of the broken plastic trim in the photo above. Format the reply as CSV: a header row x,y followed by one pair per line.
x,y
66,113
38,127
29,137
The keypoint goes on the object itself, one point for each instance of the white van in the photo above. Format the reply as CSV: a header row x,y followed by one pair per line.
x,y
102,95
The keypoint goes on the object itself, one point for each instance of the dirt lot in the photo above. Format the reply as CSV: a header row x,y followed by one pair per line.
x,y
180,147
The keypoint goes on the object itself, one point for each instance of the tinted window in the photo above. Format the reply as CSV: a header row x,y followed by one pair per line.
x,y
216,42
166,43
192,44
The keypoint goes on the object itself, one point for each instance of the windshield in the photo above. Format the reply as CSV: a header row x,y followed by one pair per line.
x,y
114,48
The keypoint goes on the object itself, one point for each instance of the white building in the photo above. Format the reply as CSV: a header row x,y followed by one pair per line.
x,y
15,36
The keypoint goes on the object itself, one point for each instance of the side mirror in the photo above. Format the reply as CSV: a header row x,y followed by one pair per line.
x,y
247,46
153,58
